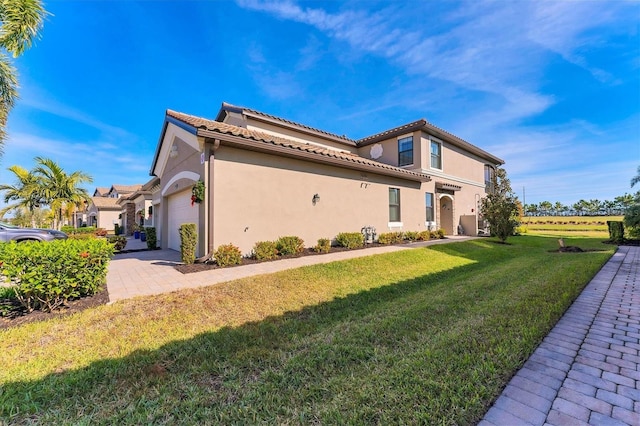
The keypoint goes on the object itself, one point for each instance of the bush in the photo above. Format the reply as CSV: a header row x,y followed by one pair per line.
x,y
70,230
188,242
82,236
323,246
45,276
116,229
390,238
424,236
440,233
520,230
118,242
616,231
411,236
100,232
265,250
350,240
227,254
152,238
289,245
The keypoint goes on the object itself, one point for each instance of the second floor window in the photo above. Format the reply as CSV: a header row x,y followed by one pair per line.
x,y
436,155
489,178
394,205
405,151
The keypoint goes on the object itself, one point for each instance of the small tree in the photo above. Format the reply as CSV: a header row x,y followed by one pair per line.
x,y
500,207
632,215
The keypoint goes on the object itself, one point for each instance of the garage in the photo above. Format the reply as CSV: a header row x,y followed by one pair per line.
x,y
180,211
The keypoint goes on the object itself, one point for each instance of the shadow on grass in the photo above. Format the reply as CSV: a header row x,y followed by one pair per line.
x,y
434,349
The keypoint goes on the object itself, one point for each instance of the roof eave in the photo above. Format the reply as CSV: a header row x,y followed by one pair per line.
x,y
274,148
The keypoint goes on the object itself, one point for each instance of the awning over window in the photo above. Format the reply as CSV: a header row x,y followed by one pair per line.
x,y
448,186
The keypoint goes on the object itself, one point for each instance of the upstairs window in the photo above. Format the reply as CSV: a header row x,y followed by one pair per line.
x,y
436,155
428,200
489,179
394,205
405,151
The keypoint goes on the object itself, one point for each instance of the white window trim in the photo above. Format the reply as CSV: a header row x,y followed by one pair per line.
x,y
395,225
434,139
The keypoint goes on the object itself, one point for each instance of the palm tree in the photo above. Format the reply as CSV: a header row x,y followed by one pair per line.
x,y
60,190
26,192
20,23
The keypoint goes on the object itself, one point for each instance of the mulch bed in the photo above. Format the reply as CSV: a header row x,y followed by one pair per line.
x,y
21,317
199,267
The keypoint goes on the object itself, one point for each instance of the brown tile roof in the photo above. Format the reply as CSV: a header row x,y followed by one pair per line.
x,y
274,142
388,133
101,191
126,189
106,203
343,138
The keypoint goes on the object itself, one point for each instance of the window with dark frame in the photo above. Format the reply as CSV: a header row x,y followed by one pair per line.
x,y
394,205
489,178
436,155
428,200
405,151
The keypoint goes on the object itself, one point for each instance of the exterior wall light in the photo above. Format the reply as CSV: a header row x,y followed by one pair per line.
x,y
315,199
174,151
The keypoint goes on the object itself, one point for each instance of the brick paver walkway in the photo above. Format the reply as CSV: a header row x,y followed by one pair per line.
x,y
146,273
585,372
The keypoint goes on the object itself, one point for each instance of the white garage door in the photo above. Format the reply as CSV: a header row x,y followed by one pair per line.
x,y
180,211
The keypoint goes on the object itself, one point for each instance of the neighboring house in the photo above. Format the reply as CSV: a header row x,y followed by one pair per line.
x,y
138,207
101,192
267,177
103,212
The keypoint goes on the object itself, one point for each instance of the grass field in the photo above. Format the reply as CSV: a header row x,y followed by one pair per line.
x,y
423,336
577,226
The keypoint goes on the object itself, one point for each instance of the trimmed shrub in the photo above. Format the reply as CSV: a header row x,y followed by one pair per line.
x,y
70,230
152,238
100,232
350,240
227,254
411,236
289,245
390,238
119,242
440,233
188,242
116,229
265,250
82,236
323,246
45,276
616,230
424,236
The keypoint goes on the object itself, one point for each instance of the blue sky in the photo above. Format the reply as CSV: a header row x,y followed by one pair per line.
x,y
551,87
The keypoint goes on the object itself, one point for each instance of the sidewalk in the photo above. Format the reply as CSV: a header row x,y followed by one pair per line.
x,y
145,273
586,370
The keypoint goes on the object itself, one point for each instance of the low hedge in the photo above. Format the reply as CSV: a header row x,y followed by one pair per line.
x,y
46,275
227,254
265,250
350,240
390,238
289,245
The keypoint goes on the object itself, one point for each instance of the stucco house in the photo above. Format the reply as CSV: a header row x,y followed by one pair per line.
x,y
267,177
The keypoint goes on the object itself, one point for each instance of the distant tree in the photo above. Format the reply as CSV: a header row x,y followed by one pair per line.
x,y
500,207
636,178
58,189
632,215
20,24
25,192
545,207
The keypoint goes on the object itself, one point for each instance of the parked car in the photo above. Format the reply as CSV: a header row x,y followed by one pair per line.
x,y
14,233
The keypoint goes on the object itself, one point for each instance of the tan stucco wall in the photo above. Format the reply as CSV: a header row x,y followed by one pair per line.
x,y
272,129
262,197
390,150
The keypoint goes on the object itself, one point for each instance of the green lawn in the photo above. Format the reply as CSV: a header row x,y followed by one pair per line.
x,y
423,336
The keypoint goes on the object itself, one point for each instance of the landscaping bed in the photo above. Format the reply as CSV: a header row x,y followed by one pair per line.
x,y
206,266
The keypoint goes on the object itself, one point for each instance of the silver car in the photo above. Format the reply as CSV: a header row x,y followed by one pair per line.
x,y
14,233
